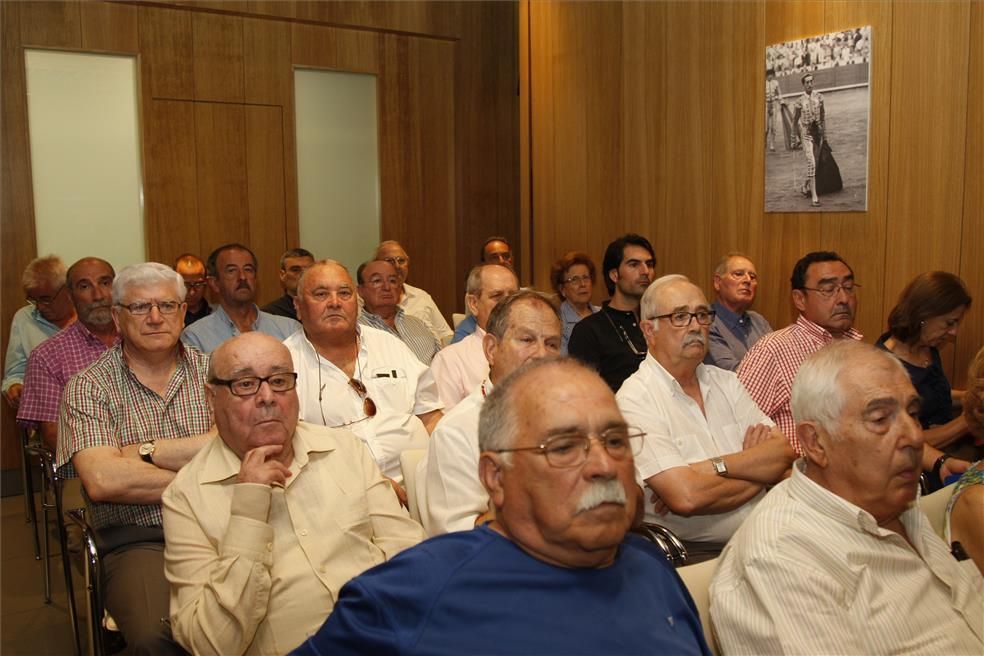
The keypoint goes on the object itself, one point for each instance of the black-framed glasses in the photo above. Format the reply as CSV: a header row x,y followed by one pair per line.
x,y
828,290
250,385
681,319
164,307
46,300
577,280
571,449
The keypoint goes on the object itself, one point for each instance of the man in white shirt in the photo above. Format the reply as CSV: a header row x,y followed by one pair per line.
x,y
523,326
459,368
709,451
838,558
414,300
268,522
358,377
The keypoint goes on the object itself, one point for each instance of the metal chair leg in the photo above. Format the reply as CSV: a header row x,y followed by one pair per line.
x,y
27,479
93,576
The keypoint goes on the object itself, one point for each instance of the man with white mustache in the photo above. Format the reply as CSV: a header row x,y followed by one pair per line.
x,y
709,452
555,572
90,286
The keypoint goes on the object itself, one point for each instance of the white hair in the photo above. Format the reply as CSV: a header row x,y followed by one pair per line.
x,y
819,393
650,299
147,273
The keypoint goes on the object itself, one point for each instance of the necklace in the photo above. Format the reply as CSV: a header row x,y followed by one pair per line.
x,y
623,336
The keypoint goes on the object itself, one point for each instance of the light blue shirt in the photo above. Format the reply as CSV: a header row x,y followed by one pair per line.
x,y
207,334
568,319
27,329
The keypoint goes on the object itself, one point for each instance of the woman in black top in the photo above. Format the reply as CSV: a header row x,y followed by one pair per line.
x,y
926,317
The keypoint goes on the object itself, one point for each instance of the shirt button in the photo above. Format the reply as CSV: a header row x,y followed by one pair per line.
x,y
303,532
269,546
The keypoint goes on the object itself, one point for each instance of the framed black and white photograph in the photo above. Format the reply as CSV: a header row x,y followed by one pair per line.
x,y
817,101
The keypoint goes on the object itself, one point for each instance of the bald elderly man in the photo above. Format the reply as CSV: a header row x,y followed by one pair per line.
x,y
267,523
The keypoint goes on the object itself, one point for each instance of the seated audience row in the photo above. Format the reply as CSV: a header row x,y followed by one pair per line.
x,y
136,407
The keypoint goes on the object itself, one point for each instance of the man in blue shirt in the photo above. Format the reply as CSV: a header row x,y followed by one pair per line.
x,y
735,328
232,276
554,572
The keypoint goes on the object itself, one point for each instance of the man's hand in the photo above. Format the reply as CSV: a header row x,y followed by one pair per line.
x,y
260,466
658,503
13,394
756,435
401,493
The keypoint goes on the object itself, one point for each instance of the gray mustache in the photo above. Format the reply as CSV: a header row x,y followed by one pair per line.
x,y
695,338
610,491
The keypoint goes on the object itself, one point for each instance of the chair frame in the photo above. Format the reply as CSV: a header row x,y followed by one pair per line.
x,y
27,484
665,539
93,577
51,502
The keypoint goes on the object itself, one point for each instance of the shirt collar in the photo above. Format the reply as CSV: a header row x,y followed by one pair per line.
x,y
224,464
37,317
671,383
731,319
87,334
219,311
822,334
843,511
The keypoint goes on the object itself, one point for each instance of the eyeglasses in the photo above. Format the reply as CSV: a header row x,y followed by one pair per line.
x,y
195,285
368,405
46,300
571,449
250,385
682,319
576,280
397,261
379,282
830,289
164,307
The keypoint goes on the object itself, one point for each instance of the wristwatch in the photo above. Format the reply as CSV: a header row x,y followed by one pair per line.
x,y
146,452
719,466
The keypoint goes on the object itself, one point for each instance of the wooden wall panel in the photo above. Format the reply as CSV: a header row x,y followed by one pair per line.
x,y
16,199
51,24
266,62
170,180
691,116
220,138
109,26
926,180
167,52
265,194
971,337
447,114
218,58
860,238
779,240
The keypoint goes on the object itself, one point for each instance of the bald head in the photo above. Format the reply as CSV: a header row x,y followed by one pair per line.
x,y
243,374
391,251
90,285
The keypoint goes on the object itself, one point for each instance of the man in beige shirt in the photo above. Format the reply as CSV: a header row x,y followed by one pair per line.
x,y
267,523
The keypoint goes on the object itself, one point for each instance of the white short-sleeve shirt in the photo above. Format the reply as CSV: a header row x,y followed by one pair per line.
x,y
678,433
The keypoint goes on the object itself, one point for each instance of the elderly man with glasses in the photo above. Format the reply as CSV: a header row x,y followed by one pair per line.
x,y
49,309
709,452
127,424
267,523
415,301
825,293
555,572
358,377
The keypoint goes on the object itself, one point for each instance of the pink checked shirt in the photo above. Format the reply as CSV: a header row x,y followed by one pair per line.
x,y
50,366
768,370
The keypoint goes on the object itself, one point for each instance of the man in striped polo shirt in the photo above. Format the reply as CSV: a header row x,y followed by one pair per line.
x,y
837,559
379,288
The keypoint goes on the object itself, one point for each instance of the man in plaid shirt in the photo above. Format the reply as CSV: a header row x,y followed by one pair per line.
x,y
58,358
127,424
825,293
